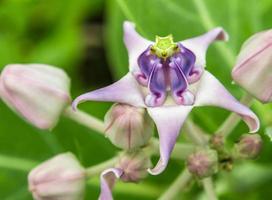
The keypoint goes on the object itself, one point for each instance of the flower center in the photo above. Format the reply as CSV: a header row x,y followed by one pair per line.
x,y
164,47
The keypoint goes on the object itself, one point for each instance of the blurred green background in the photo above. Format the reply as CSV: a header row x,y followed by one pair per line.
x,y
84,37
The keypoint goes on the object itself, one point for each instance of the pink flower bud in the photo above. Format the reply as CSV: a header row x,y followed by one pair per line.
x,y
134,166
128,127
37,92
61,177
203,163
249,146
253,68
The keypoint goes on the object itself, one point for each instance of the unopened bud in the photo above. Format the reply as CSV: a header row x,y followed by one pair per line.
x,y
203,163
253,68
249,146
217,142
128,127
37,92
134,166
61,177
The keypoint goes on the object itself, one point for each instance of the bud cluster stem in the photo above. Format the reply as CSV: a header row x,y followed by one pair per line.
x,y
97,169
85,119
182,180
199,138
195,133
209,188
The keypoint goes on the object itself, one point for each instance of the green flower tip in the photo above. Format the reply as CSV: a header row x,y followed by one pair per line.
x,y
164,47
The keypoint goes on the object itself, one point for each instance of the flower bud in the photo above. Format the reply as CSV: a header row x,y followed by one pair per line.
x,y
249,146
253,68
134,166
37,92
217,142
61,177
203,163
128,127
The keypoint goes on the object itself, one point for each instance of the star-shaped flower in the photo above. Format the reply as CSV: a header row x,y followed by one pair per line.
x,y
162,67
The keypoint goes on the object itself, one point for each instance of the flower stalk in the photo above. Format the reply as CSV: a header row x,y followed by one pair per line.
x,y
182,180
195,133
97,169
209,188
199,139
85,119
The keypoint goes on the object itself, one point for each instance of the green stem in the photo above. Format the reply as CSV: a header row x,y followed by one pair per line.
x,y
85,119
232,121
181,151
19,164
195,133
182,180
209,188
97,169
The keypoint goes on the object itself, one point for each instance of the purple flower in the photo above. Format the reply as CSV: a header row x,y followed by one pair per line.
x,y
156,68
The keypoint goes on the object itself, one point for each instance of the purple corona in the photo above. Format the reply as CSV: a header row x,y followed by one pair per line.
x,y
167,66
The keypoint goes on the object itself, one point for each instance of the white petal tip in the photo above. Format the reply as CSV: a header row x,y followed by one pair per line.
x,y
256,126
150,171
128,25
252,121
156,170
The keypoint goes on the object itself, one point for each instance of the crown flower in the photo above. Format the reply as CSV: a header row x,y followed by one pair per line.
x,y
163,67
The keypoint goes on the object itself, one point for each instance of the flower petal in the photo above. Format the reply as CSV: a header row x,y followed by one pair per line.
x,y
135,44
212,92
198,45
126,90
168,120
107,180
